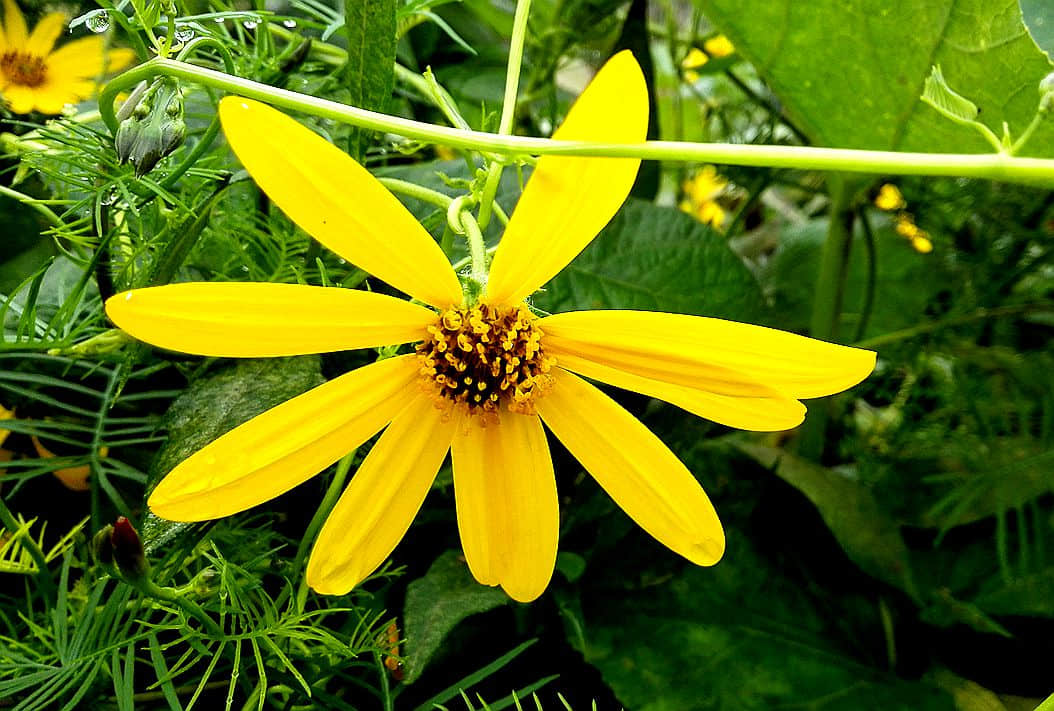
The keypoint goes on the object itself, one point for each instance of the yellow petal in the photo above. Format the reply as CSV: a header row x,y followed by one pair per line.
x,y
508,514
774,413
382,499
285,445
337,201
15,32
20,99
45,33
644,478
692,350
257,320
87,57
568,201
52,97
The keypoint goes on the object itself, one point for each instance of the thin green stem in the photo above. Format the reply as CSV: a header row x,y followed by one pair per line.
x,y
149,587
905,334
329,500
1039,171
828,296
477,248
403,187
1038,119
508,107
30,202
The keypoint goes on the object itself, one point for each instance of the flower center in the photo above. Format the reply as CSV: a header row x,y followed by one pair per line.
x,y
485,355
23,68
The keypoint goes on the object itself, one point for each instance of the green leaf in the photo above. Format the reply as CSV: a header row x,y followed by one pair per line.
x,y
370,69
937,93
851,74
866,532
217,403
436,603
739,636
656,259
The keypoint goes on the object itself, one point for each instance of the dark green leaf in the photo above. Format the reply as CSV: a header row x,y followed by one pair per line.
x,y
370,69
217,403
656,259
436,603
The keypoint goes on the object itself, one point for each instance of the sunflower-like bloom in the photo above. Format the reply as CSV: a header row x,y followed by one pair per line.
x,y
33,77
483,376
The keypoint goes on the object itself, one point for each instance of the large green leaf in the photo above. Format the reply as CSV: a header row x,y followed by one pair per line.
x,y
738,636
370,69
219,402
851,73
656,259
436,603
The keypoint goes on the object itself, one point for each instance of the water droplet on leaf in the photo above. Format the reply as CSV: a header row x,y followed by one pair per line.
x,y
184,33
289,24
97,21
250,24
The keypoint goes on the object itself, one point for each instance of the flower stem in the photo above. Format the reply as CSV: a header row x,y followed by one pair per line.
x,y
508,107
992,166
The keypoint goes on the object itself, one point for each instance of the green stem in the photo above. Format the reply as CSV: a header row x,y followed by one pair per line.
x,y
827,298
417,192
329,500
477,248
149,587
508,107
990,166
32,203
905,334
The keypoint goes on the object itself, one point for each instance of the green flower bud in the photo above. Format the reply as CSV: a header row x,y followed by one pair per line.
x,y
1046,93
154,128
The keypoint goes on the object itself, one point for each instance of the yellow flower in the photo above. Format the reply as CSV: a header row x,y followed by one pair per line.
x,y
889,198
701,191
718,46
34,77
483,377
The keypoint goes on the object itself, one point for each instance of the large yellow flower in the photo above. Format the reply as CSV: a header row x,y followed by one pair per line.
x,y
33,77
483,377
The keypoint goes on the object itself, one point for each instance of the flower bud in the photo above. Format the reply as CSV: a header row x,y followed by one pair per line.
x,y
154,128
101,546
1046,93
127,550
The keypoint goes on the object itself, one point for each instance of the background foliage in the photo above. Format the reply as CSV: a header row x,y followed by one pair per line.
x,y
896,553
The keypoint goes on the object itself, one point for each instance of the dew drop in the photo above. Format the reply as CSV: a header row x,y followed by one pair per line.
x,y
219,20
250,24
184,33
97,21
289,24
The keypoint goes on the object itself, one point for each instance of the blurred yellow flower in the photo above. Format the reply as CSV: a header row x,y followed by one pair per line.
x,y
36,77
719,46
5,414
889,198
919,238
483,376
701,191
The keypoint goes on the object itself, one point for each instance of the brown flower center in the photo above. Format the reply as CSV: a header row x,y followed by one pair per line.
x,y
23,68
484,355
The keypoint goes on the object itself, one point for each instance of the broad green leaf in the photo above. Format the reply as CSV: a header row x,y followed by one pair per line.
x,y
738,637
868,534
851,74
370,68
217,403
1040,23
1031,595
436,603
656,259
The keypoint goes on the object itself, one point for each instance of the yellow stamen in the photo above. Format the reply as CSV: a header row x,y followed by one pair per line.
x,y
482,356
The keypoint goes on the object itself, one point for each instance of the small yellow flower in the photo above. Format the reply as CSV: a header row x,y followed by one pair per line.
x,y
36,77
483,377
889,198
919,238
701,191
692,61
719,46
